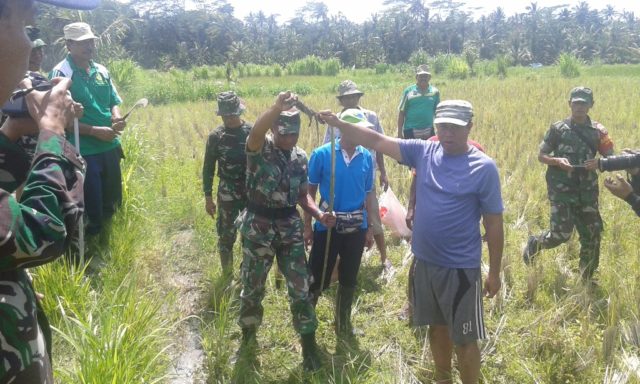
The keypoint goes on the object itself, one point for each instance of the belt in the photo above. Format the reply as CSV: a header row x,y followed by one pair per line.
x,y
271,213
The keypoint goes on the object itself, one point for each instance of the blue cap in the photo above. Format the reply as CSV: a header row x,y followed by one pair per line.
x,y
73,4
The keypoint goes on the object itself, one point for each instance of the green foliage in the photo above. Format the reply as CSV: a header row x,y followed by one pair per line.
x,y
123,73
418,57
457,68
440,64
569,65
314,66
381,68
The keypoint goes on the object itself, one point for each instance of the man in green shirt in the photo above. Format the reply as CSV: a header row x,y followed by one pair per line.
x,y
100,126
417,107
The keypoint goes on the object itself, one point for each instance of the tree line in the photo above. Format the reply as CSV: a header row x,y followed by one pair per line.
x,y
165,34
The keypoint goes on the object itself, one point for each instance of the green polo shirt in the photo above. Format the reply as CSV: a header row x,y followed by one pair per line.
x,y
418,107
97,94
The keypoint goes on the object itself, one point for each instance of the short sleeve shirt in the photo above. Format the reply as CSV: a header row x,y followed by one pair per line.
x,y
97,94
352,181
453,191
419,107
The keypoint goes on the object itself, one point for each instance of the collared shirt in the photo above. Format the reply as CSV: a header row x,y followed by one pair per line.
x,y
97,94
419,107
353,178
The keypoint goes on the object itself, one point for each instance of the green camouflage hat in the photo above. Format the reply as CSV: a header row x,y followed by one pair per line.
x,y
581,94
38,43
355,116
348,87
457,112
289,122
229,104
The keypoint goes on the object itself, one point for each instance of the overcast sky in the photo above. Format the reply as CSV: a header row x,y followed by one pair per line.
x,y
355,11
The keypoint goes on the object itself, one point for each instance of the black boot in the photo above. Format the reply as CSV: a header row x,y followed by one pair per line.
x,y
247,350
310,358
344,301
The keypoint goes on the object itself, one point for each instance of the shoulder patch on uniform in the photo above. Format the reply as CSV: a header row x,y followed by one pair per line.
x,y
599,127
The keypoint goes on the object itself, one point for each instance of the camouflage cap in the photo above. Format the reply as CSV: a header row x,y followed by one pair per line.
x,y
38,43
423,70
348,87
355,116
458,112
229,104
582,94
289,122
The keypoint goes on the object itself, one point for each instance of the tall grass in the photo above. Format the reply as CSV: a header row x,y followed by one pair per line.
x,y
569,65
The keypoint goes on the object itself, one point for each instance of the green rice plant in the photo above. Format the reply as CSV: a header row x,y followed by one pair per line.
x,y
121,339
569,65
200,73
418,57
381,68
331,67
502,63
457,68
440,63
123,73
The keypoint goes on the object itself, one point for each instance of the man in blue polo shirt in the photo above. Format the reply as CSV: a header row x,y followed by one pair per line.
x,y
100,126
353,197
457,185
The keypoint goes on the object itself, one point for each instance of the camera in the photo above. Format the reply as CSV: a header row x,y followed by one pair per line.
x,y
16,106
620,162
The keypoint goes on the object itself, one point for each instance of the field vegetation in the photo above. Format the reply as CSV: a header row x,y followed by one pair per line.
x,y
156,277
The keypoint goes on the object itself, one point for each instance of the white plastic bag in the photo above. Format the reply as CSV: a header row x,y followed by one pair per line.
x,y
393,214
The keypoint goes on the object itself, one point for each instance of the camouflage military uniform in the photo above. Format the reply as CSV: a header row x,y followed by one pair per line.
x,y
226,146
574,196
34,231
275,179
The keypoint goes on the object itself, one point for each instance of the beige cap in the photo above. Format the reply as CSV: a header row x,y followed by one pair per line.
x,y
78,32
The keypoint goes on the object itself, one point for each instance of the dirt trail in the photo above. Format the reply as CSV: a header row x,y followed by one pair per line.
x,y
186,280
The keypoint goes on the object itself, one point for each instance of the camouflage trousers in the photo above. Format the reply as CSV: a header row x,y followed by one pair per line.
x,y
588,223
226,229
256,263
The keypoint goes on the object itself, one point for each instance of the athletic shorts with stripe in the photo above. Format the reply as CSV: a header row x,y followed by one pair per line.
x,y
451,297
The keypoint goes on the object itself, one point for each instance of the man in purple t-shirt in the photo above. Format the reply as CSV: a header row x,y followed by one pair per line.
x,y
457,186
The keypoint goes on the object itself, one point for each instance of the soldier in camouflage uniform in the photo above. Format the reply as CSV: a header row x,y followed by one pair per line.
x,y
35,227
271,224
569,149
225,147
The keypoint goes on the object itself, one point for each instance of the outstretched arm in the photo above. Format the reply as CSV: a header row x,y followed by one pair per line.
x,y
364,136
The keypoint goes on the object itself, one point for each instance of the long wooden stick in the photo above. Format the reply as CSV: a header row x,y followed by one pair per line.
x,y
332,182
76,136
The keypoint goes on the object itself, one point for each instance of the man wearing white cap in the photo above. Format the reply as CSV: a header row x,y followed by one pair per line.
x,y
100,126
36,226
457,185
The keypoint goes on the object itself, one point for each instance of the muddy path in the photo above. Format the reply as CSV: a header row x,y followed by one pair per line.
x,y
186,278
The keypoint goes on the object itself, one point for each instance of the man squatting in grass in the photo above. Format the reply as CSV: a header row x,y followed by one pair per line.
x,y
349,97
100,126
628,191
457,185
225,146
415,121
36,226
569,148
271,224
352,205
